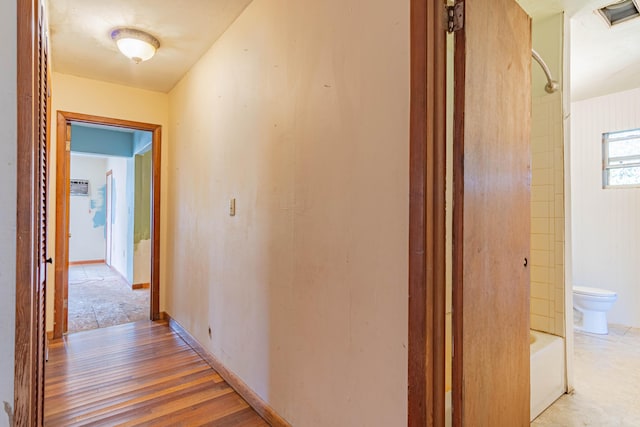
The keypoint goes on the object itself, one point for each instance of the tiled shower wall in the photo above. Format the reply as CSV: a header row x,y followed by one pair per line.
x,y
547,215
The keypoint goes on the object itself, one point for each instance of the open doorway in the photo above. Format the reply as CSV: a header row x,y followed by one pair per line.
x,y
109,262
108,225
590,225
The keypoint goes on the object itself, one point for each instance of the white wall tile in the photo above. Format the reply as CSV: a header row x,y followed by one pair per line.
x,y
547,212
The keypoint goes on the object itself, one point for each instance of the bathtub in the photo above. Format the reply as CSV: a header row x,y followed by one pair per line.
x,y
547,371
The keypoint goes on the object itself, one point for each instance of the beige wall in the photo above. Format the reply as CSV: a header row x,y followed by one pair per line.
x,y
7,202
300,113
606,230
547,183
79,95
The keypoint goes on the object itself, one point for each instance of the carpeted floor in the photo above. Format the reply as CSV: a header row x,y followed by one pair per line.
x,y
99,297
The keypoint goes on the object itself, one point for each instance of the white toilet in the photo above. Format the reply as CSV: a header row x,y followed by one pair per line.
x,y
593,303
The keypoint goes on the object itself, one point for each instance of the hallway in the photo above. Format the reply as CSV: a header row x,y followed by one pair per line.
x,y
137,374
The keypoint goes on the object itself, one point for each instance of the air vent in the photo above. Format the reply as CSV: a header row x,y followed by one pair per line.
x,y
79,187
622,11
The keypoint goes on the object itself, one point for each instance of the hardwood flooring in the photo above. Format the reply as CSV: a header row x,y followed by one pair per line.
x,y
137,374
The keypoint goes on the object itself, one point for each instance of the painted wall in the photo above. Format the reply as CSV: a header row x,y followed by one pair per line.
x,y
81,95
142,219
606,230
141,141
547,182
87,214
8,140
301,113
101,141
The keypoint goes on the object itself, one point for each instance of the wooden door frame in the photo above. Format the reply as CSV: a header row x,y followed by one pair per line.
x,y
108,194
427,233
64,119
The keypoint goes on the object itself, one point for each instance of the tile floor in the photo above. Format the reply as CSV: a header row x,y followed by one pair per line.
x,y
606,380
99,297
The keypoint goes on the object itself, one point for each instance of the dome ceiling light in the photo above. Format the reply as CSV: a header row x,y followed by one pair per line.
x,y
135,44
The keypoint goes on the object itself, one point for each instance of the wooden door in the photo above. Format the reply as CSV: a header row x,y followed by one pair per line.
x,y
491,215
33,105
42,176
109,219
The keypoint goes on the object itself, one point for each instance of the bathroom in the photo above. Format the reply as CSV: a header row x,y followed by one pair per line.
x,y
583,235
584,230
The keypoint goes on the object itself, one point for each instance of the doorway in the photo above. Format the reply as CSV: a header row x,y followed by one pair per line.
x,y
64,134
103,287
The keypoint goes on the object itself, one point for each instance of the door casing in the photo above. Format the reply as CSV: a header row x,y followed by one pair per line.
x,y
64,120
109,228
427,232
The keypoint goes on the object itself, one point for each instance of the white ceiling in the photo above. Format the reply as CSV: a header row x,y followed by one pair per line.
x,y
603,60
81,44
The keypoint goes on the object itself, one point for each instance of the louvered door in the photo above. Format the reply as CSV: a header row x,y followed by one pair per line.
x,y
41,213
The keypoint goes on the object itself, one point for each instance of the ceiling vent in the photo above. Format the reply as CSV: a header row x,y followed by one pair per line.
x,y
619,12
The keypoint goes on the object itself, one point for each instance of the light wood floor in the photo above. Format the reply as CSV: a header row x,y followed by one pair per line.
x,y
137,374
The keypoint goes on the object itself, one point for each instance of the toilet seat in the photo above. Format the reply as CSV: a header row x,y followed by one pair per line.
x,y
594,292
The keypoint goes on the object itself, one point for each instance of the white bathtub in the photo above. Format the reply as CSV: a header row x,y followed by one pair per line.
x,y
547,371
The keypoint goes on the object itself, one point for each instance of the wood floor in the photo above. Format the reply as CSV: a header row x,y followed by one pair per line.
x,y
137,374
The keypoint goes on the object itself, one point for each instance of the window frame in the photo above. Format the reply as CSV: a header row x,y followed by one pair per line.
x,y
606,166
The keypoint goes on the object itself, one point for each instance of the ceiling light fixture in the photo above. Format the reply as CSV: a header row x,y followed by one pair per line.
x,y
135,44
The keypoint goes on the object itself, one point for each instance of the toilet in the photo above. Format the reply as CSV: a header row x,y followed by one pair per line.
x,y
593,303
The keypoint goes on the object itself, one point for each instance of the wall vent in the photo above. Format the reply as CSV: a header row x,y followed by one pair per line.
x,y
620,12
79,187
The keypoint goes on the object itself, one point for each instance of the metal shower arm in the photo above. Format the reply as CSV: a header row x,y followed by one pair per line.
x,y
551,85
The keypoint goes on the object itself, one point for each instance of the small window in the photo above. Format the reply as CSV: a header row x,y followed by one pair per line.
x,y
621,159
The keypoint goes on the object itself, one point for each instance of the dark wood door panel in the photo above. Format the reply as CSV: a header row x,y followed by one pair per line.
x,y
491,215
